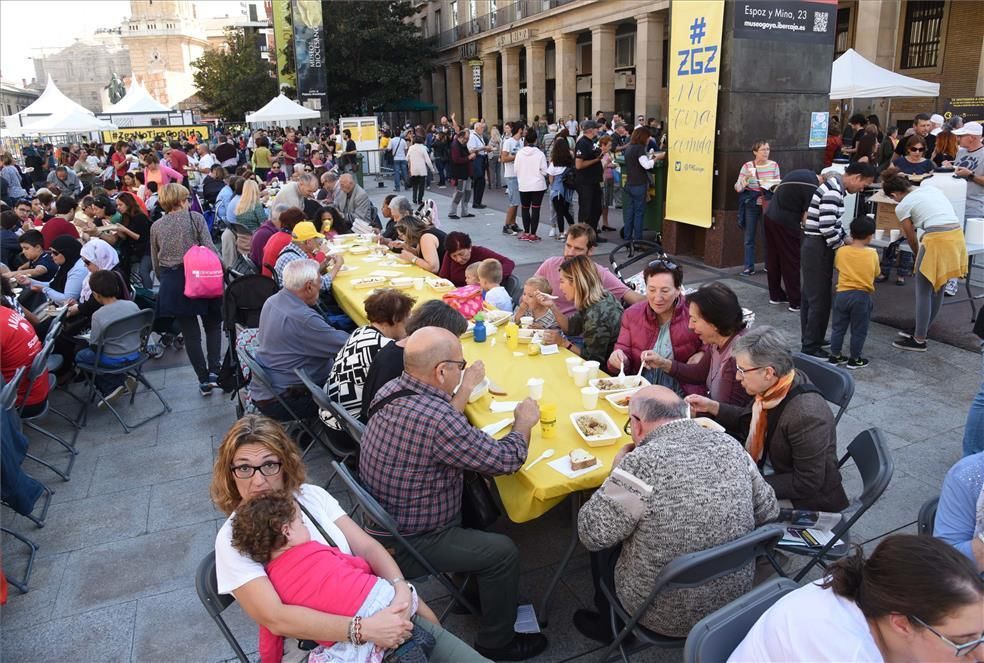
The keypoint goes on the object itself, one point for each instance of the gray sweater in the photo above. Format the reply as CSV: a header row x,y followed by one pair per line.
x,y
683,490
106,315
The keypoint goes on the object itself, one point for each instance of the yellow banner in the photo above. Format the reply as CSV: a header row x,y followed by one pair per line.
x,y
694,63
152,133
283,37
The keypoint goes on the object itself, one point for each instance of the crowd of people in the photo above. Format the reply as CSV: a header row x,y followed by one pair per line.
x,y
106,233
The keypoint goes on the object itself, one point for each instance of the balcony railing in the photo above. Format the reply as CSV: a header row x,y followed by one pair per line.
x,y
503,16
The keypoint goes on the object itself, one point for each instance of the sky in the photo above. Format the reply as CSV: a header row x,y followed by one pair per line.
x,y
29,24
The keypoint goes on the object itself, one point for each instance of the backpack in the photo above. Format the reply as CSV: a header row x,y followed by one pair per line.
x,y
568,179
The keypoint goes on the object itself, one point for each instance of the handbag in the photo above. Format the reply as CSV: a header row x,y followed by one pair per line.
x,y
466,300
478,507
202,271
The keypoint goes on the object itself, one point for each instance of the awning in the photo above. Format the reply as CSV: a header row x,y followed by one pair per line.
x,y
853,77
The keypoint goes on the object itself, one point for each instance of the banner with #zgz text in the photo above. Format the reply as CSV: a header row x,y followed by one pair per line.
x,y
694,64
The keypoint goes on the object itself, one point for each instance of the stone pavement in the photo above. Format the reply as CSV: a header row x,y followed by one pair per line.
x,y
114,580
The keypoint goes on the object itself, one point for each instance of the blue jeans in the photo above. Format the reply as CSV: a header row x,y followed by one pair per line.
x,y
973,441
851,307
400,173
634,214
751,215
105,383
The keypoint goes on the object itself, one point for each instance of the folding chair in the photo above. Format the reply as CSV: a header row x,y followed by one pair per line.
x,y
141,322
834,382
8,396
215,603
513,287
927,517
352,426
39,366
375,513
874,461
716,636
685,572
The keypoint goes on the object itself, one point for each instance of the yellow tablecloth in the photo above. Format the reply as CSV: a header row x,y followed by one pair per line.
x,y
525,494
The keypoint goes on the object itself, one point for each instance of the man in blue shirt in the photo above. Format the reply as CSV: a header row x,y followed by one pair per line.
x,y
957,514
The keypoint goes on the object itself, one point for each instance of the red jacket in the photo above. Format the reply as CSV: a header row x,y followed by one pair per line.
x,y
640,329
455,273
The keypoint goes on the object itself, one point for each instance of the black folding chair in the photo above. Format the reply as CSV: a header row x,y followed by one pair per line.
x,y
513,287
374,512
834,382
927,517
8,396
38,368
352,426
874,462
714,638
684,572
215,603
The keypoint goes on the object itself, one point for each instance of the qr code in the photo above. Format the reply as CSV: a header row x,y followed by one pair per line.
x,y
820,21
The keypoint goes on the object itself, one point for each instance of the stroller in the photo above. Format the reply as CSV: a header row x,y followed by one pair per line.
x,y
640,250
166,333
241,304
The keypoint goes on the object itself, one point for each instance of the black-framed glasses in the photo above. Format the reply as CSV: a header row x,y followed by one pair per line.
x,y
460,363
917,149
267,469
958,649
663,262
741,371
627,428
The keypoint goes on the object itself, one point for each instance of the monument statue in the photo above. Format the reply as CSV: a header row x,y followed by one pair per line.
x,y
116,89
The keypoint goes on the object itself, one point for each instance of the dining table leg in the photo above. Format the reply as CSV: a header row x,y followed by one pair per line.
x,y
575,502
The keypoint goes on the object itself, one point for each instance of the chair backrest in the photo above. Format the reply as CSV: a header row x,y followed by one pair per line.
x,y
513,287
244,298
8,394
716,636
927,517
38,366
353,426
836,384
373,509
215,603
874,462
141,322
257,372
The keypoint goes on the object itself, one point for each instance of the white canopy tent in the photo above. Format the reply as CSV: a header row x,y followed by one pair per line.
x,y
137,100
853,77
51,102
282,109
70,121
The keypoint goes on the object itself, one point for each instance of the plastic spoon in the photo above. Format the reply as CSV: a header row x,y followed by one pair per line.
x,y
546,454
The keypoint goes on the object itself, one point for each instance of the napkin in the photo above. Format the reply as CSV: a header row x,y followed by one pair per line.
x,y
383,272
494,428
549,349
563,465
503,406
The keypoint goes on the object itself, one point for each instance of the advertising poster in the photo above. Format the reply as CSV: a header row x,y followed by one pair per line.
x,y
309,52
695,63
151,133
818,129
971,109
786,20
283,35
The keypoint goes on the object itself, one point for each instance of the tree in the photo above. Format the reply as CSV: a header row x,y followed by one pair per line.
x,y
374,54
234,80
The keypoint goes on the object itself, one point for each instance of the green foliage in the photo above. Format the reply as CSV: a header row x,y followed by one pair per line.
x,y
372,54
234,81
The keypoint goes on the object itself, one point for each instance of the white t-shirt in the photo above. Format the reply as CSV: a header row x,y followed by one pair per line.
x,y
927,207
510,146
233,569
499,298
206,161
809,624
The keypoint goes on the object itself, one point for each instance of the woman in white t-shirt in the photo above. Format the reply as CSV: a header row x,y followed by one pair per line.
x,y
915,599
256,457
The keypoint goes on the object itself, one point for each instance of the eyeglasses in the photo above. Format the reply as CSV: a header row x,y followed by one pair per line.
x,y
460,363
627,428
663,262
958,649
54,253
917,149
741,371
267,469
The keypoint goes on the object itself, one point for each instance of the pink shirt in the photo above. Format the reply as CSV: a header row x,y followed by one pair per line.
x,y
550,270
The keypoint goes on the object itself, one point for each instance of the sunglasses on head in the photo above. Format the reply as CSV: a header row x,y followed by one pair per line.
x,y
662,262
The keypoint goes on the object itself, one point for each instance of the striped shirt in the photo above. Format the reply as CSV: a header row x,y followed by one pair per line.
x,y
754,175
823,215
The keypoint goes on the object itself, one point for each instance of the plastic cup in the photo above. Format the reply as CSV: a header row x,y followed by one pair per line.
x,y
580,374
526,321
880,234
593,367
896,233
418,283
589,397
571,363
535,386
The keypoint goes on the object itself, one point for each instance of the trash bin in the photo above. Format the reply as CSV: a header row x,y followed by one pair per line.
x,y
655,208
360,175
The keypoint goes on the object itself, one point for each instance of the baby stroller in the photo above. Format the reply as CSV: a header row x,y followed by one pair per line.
x,y
640,250
241,305
166,332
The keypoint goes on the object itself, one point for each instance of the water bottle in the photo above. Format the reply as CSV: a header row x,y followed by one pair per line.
x,y
479,332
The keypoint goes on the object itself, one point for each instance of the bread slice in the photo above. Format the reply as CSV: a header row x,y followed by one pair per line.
x,y
581,459
496,390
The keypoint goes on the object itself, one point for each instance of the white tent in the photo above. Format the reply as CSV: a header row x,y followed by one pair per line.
x,y
137,100
51,102
70,121
854,77
282,109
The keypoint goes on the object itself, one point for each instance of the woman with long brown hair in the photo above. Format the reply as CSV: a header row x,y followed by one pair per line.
x,y
133,233
561,195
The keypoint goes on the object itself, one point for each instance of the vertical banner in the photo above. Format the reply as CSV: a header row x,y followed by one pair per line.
x,y
695,61
819,122
283,37
309,41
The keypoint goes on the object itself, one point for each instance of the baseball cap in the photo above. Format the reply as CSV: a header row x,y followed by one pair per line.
x,y
588,124
304,231
937,119
969,129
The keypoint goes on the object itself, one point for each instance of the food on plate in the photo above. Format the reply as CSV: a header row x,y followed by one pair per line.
x,y
369,282
496,317
440,284
590,426
581,460
401,282
496,390
616,384
623,401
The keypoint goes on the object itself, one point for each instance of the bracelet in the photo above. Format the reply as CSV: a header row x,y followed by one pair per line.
x,y
395,581
355,631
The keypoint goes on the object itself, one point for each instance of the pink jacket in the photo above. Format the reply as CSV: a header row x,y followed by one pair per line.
x,y
640,329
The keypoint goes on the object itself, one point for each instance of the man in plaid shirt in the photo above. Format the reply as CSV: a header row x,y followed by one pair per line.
x,y
414,451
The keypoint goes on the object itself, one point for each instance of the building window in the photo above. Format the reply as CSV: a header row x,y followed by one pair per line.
x,y
625,51
493,8
921,35
843,31
454,13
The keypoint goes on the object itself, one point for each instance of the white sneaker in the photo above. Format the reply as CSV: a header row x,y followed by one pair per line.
x,y
115,393
951,288
552,233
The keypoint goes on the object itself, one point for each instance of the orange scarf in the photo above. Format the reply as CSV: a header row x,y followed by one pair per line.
x,y
755,444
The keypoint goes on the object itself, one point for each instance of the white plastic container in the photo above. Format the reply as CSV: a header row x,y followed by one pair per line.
x,y
954,188
974,231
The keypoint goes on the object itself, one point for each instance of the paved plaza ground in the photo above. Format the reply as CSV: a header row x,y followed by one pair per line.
x,y
114,579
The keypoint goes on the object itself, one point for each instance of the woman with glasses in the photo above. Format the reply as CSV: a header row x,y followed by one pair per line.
x,y
915,161
753,179
256,457
656,332
914,599
788,428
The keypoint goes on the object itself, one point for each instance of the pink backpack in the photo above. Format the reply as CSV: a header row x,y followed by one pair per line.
x,y
203,271
466,300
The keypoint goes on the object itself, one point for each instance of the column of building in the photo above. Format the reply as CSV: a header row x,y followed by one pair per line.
x,y
510,83
650,29
440,97
603,68
469,94
453,75
490,92
565,66
536,79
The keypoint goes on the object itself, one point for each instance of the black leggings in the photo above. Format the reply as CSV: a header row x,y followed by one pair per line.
x,y
418,183
563,210
531,217
192,332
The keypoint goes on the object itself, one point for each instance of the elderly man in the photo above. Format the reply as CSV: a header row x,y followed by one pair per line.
x,y
581,241
415,449
66,180
294,335
476,145
293,194
969,165
399,207
353,201
329,184
677,488
263,234
205,159
304,245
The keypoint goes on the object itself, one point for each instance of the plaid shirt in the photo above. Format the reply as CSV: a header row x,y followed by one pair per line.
x,y
415,449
